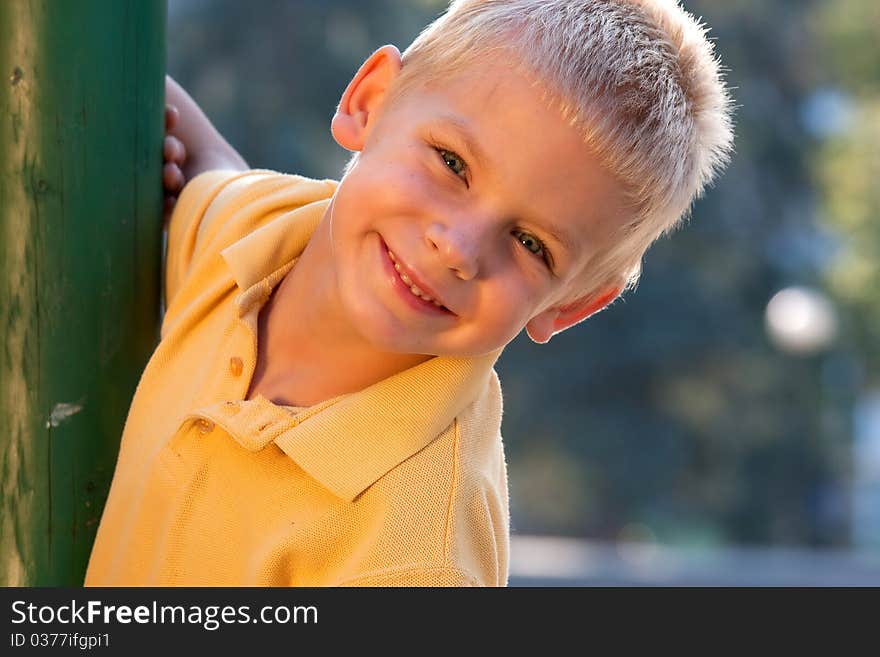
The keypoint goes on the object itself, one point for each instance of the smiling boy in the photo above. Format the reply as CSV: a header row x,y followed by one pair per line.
x,y
322,408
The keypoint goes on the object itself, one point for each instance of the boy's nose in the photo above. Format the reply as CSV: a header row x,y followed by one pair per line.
x,y
457,250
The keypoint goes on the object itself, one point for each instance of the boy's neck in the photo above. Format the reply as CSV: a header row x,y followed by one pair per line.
x,y
306,351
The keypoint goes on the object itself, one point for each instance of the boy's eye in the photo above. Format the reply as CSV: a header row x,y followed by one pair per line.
x,y
532,243
453,161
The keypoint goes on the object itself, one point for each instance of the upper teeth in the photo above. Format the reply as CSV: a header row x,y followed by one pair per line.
x,y
415,289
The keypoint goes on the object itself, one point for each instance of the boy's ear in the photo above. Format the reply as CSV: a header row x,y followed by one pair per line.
x,y
363,97
548,323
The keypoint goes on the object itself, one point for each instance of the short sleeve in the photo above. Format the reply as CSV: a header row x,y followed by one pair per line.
x,y
190,222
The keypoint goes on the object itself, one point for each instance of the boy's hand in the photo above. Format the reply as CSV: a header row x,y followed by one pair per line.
x,y
192,144
174,158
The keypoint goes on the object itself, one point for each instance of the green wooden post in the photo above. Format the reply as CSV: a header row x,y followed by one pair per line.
x,y
81,125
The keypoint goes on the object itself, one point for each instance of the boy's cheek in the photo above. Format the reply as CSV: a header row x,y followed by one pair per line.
x,y
405,172
505,325
371,181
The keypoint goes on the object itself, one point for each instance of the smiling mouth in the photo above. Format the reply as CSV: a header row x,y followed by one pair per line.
x,y
412,287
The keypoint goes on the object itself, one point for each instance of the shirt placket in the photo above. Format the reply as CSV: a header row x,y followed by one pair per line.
x,y
252,423
193,442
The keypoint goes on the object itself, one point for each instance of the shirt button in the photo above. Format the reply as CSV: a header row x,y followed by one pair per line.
x,y
235,366
204,426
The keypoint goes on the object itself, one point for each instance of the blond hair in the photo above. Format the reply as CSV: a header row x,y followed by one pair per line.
x,y
638,78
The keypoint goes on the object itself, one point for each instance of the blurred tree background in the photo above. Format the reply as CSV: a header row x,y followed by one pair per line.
x,y
673,416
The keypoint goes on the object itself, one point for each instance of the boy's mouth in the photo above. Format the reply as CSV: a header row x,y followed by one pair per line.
x,y
407,279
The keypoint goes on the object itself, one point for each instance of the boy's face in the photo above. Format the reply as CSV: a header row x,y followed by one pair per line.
x,y
472,192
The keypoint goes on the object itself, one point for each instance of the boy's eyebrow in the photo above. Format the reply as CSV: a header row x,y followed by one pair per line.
x,y
463,132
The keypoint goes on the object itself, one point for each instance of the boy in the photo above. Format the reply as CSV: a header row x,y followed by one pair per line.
x,y
322,408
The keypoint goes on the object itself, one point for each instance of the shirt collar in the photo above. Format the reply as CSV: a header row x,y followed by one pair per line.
x,y
357,439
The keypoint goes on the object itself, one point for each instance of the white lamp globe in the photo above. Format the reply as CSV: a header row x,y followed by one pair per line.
x,y
801,320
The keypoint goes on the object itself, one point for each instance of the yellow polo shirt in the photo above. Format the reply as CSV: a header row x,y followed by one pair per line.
x,y
402,483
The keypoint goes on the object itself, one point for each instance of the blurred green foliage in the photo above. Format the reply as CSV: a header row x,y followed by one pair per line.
x,y
847,167
671,415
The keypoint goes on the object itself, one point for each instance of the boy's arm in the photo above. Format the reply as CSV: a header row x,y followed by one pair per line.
x,y
204,147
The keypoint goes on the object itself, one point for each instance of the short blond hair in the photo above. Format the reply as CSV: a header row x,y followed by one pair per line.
x,y
638,78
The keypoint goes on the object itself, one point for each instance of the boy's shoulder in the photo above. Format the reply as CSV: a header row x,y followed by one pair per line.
x,y
228,205
220,209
